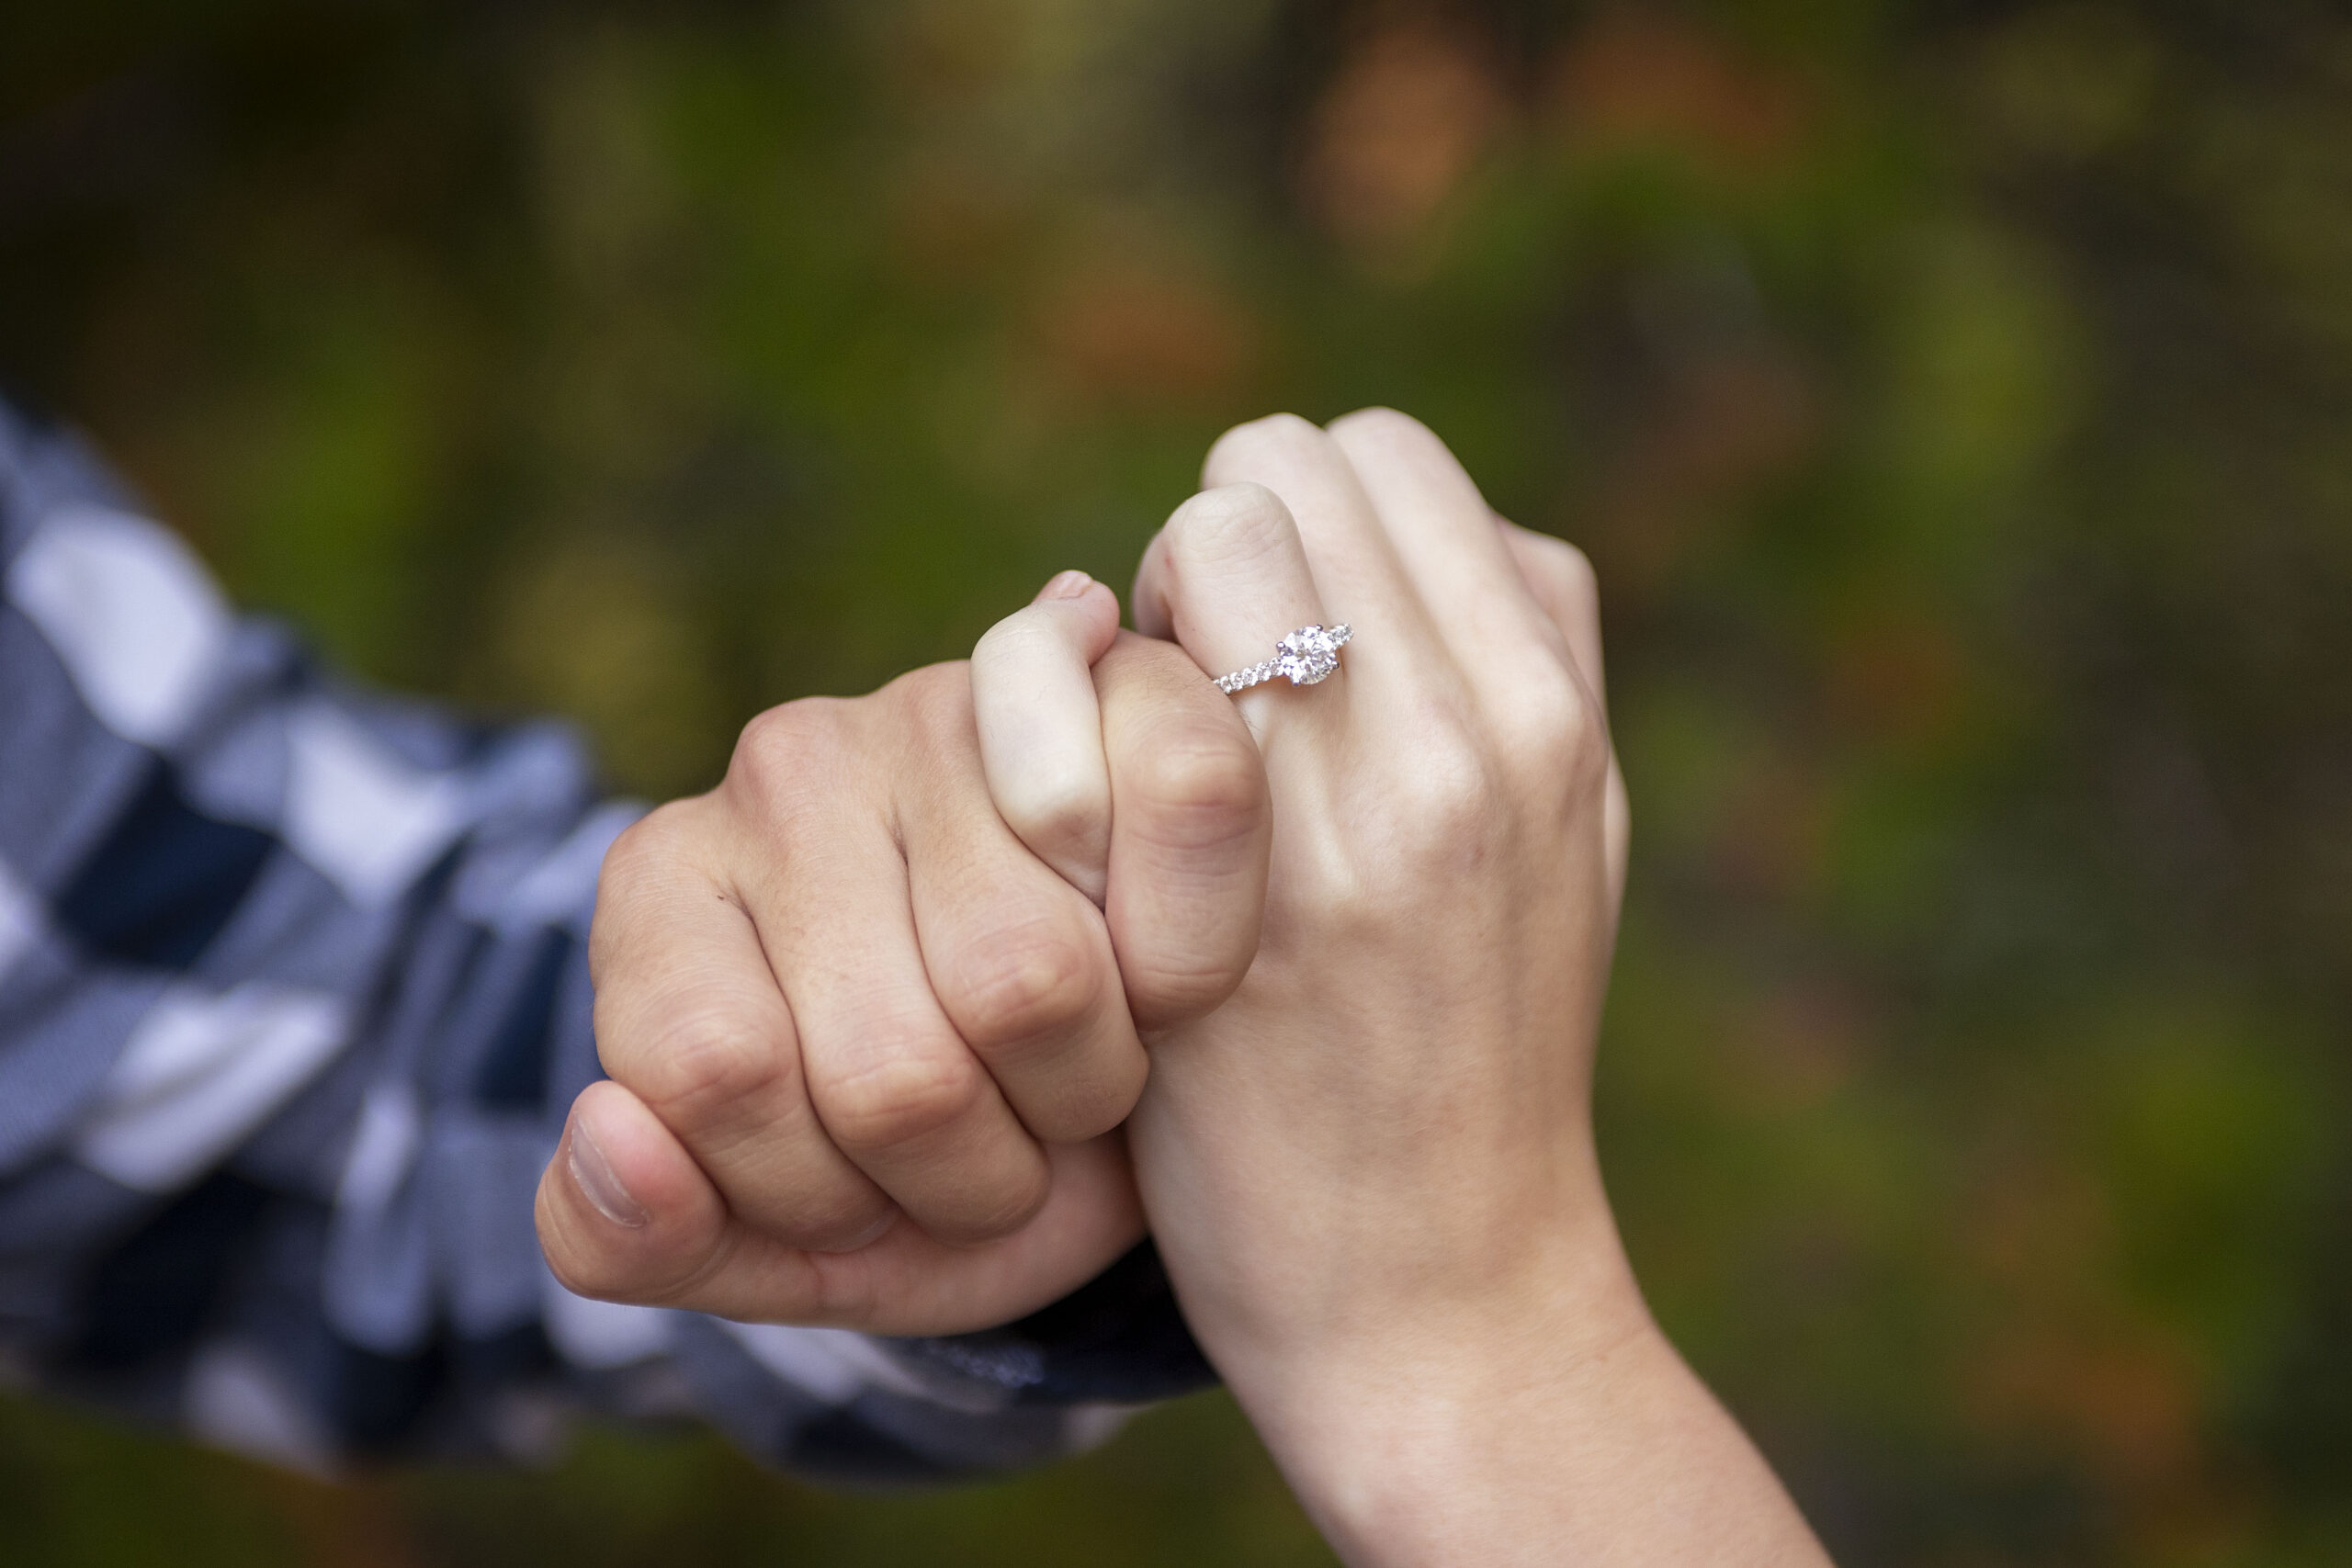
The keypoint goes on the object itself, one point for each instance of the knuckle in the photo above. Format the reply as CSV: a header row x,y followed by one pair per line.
x,y
901,1099
647,853
1569,570
1230,527
1275,434
1015,631
1551,727
932,688
1575,566
786,751
1384,426
1021,981
930,707
781,731
1579,584
652,840
1059,810
1201,786
705,1059
1023,639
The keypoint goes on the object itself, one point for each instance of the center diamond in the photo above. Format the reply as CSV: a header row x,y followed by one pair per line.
x,y
1306,656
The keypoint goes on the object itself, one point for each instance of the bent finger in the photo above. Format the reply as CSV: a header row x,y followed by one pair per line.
x,y
1020,960
1192,831
1562,580
691,1021
907,1283
1443,531
891,1079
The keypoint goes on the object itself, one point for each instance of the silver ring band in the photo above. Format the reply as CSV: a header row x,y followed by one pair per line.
x,y
1306,656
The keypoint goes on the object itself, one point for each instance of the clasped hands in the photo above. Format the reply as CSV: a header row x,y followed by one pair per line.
x,y
918,1019
914,1020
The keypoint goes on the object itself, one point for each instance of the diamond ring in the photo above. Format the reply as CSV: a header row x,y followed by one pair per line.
x,y
1306,656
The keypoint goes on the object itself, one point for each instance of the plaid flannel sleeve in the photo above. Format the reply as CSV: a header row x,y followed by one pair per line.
x,y
293,998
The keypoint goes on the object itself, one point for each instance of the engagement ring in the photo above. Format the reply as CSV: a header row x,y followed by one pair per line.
x,y
1306,656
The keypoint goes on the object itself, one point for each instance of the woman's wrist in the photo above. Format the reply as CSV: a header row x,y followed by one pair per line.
x,y
1388,1438
1556,1424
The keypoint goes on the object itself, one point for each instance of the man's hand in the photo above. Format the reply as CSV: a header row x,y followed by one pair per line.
x,y
867,1049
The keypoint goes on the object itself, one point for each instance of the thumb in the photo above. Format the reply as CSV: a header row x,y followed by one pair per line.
x,y
1191,832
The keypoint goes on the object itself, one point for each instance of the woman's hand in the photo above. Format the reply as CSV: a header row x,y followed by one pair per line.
x,y
1372,1172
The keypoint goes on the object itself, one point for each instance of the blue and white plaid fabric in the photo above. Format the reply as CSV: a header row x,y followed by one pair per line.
x,y
293,998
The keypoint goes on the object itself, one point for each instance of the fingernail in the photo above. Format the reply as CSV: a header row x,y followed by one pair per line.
x,y
1065,585
592,1173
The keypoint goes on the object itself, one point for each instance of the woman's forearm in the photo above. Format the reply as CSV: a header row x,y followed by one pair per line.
x,y
1563,1428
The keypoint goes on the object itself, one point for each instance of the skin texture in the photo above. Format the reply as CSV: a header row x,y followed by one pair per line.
x,y
1365,1143
1372,1172
867,1051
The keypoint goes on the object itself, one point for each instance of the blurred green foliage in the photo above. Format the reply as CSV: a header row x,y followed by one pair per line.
x,y
1956,399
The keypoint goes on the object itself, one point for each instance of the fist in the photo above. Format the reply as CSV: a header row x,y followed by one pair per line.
x,y
868,1036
